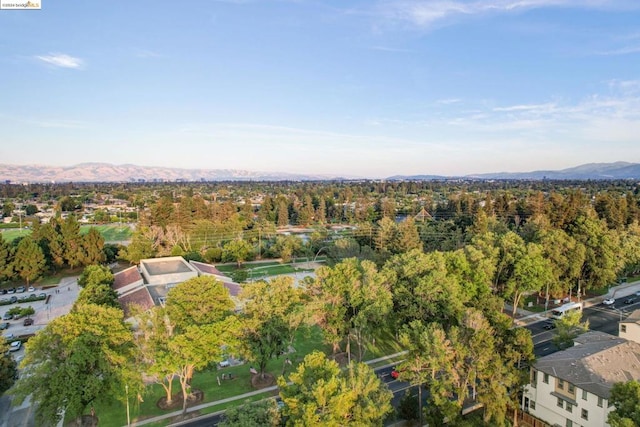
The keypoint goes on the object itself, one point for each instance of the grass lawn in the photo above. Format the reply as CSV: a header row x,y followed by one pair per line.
x,y
262,270
111,233
114,415
9,235
54,279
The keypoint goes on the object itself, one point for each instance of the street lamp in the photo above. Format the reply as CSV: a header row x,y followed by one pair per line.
x,y
126,388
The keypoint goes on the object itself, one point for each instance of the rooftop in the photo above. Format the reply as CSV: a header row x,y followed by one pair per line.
x,y
595,363
126,277
140,297
634,317
168,265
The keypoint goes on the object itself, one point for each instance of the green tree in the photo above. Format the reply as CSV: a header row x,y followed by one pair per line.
x,y
237,250
72,241
152,340
568,328
141,247
261,413
91,248
29,262
349,300
198,301
99,295
8,368
95,275
6,260
320,393
424,289
531,271
77,360
271,316
626,398
602,255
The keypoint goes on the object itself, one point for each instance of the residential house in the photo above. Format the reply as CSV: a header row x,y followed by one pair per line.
x,y
571,388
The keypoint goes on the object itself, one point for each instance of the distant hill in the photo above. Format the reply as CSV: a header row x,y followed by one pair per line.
x,y
105,172
617,170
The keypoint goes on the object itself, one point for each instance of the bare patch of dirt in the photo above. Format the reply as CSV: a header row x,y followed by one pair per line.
x,y
196,397
263,381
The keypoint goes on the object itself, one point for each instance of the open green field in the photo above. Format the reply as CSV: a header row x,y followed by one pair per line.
x,y
111,233
9,235
262,270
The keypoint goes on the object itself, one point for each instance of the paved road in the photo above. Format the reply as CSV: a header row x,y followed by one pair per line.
x,y
601,318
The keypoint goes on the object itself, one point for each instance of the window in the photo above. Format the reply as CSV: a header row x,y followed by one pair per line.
x,y
569,407
534,378
585,414
532,405
569,423
560,402
545,378
584,394
560,384
623,328
572,389
600,400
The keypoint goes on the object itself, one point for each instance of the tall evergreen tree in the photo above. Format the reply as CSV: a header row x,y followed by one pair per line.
x,y
29,262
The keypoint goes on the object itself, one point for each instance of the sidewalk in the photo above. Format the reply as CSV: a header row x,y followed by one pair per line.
x,y
619,291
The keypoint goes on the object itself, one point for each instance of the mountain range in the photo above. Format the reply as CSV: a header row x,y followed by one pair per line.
x,y
105,172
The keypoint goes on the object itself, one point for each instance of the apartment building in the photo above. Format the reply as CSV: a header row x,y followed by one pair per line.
x,y
571,388
629,328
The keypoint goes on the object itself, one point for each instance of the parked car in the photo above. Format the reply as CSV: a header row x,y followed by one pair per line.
x,y
8,336
42,295
11,290
13,299
28,321
609,301
31,289
7,316
3,291
21,289
4,325
630,300
4,301
15,346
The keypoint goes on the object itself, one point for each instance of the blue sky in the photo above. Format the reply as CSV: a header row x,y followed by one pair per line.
x,y
353,88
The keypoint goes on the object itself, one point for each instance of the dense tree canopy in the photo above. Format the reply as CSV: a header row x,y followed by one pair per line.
x,y
78,359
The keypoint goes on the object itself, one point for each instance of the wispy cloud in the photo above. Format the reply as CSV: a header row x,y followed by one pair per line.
x,y
424,13
143,53
61,60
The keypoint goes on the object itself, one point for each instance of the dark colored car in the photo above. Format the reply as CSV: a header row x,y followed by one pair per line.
x,y
549,325
7,316
13,299
629,300
42,295
4,325
28,321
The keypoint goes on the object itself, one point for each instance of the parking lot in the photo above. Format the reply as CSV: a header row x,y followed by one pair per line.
x,y
60,301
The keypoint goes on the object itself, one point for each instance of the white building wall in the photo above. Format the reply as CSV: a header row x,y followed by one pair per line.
x,y
547,409
632,332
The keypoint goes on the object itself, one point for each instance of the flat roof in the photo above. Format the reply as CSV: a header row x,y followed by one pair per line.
x,y
160,266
